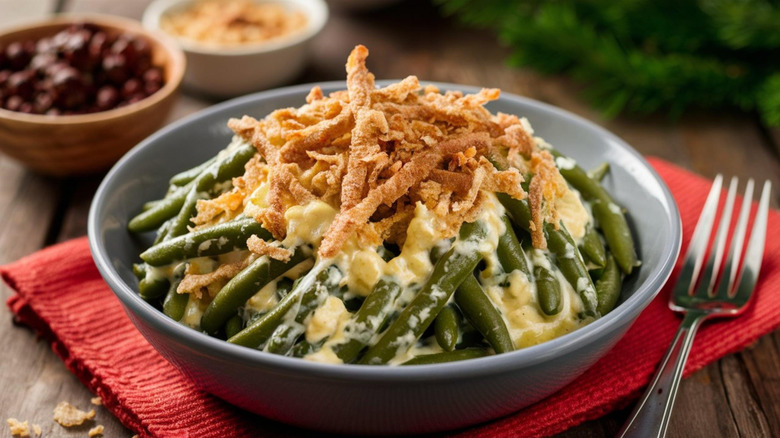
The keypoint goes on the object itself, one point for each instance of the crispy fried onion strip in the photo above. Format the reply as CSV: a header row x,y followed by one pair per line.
x,y
285,190
546,185
273,249
413,172
196,284
374,153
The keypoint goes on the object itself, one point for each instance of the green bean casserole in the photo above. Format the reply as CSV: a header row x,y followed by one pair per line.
x,y
395,225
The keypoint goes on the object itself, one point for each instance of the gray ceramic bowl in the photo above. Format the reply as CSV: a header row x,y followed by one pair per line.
x,y
366,399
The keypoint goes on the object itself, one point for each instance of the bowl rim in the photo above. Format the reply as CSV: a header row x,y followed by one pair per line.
x,y
316,11
177,63
507,362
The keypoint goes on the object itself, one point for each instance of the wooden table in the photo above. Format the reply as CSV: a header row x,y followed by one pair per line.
x,y
737,396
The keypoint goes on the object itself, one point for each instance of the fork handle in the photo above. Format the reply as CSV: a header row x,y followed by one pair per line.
x,y
650,417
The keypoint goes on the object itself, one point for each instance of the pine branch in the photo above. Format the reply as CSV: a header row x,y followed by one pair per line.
x,y
644,55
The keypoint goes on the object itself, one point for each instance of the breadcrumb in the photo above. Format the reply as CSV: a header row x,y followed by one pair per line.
x,y
68,415
37,430
97,401
18,428
96,431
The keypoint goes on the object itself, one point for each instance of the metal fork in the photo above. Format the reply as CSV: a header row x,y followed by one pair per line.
x,y
650,417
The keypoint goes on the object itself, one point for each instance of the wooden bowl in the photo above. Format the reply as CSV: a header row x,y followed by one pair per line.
x,y
79,144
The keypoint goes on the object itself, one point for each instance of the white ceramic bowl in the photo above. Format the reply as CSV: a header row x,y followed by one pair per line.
x,y
236,70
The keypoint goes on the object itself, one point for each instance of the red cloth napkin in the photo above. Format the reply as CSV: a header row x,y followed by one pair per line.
x,y
61,295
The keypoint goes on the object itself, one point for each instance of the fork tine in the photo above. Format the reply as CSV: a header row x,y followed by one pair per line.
x,y
755,249
701,235
738,241
712,268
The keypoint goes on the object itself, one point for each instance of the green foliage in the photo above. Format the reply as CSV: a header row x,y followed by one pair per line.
x,y
646,55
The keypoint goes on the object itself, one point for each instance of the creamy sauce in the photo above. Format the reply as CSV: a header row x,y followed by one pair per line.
x,y
573,214
361,267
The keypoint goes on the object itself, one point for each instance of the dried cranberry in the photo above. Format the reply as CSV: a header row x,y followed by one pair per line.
x,y
131,87
45,45
17,56
107,97
44,85
13,103
42,61
151,88
115,66
4,75
154,74
124,46
136,98
80,69
69,88
143,56
53,69
43,102
59,40
76,51
98,45
25,107
21,84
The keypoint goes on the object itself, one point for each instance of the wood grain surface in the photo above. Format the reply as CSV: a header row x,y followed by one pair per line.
x,y
737,396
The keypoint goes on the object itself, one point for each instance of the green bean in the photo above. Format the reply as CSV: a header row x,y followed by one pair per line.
x,y
510,252
608,286
470,337
283,287
149,205
572,266
593,248
483,315
182,221
448,273
617,234
517,210
305,347
153,285
256,334
184,177
599,172
153,289
371,316
560,243
215,240
175,303
220,170
285,335
445,328
245,284
448,356
607,213
162,232
233,326
439,250
165,209
254,317
139,270
548,291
